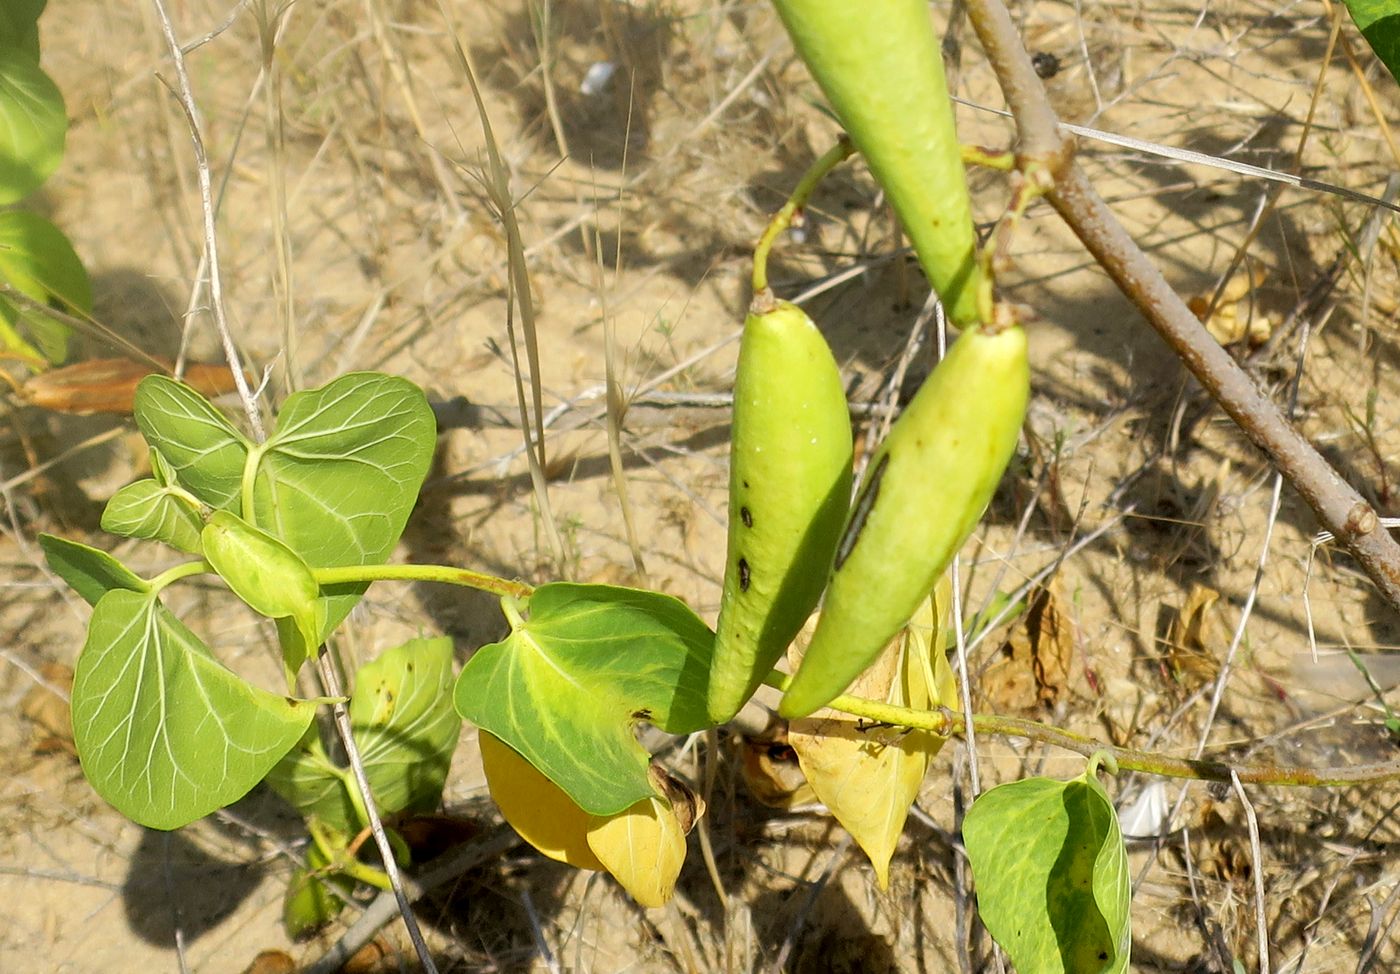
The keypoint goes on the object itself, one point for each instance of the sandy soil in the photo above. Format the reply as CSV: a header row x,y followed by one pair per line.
x,y
638,203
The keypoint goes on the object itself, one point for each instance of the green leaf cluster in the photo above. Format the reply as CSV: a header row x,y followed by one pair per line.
x,y
166,732
36,259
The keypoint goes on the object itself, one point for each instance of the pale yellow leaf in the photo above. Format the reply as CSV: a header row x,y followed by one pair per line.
x,y
536,807
868,776
643,847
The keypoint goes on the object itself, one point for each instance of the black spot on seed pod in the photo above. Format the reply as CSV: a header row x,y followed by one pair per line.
x,y
746,516
864,503
743,574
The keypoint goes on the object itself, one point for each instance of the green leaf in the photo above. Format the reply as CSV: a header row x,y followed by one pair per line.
x,y
405,724
37,260
90,571
339,477
1052,875
147,510
19,25
315,785
164,731
566,687
311,902
33,124
402,717
205,451
1379,22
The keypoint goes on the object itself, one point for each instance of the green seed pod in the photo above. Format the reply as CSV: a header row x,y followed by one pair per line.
x,y
789,490
262,571
925,490
880,67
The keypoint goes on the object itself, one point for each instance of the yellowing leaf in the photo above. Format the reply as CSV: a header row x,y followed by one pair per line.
x,y
536,807
643,847
868,776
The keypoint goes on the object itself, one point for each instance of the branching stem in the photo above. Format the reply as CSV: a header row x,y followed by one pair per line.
x,y
1337,505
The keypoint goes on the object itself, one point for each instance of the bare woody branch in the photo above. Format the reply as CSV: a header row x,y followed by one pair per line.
x,y
1338,506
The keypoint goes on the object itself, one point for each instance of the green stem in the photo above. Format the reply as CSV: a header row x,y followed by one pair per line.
x,y
250,476
182,570
349,574
945,722
976,155
832,158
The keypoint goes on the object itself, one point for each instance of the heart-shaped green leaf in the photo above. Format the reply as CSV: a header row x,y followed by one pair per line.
x,y
197,441
1052,875
19,25
147,510
90,571
37,260
164,731
338,478
406,730
567,685
33,123
1379,22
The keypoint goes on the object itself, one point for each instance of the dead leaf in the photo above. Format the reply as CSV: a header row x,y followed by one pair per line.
x,y
272,962
685,801
1036,658
376,957
771,772
868,776
1237,317
1195,637
108,385
536,807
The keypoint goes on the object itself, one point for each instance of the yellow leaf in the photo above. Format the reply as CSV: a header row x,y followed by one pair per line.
x,y
536,807
868,776
644,846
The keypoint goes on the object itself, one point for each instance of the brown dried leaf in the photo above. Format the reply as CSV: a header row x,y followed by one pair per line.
x,y
771,772
272,962
108,385
1036,658
868,776
1194,638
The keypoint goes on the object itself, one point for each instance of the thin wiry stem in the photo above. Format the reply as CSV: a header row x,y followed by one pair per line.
x,y
185,96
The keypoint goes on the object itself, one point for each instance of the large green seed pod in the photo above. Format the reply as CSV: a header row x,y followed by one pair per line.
x,y
789,490
925,490
880,67
262,571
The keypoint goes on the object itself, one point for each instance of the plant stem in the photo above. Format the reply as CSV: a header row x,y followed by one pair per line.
x,y
349,574
815,173
386,853
946,722
182,570
1337,505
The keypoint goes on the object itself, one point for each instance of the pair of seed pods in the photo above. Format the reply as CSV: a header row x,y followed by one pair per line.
x,y
793,534
793,531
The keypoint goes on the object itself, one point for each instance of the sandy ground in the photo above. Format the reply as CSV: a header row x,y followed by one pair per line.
x,y
638,203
